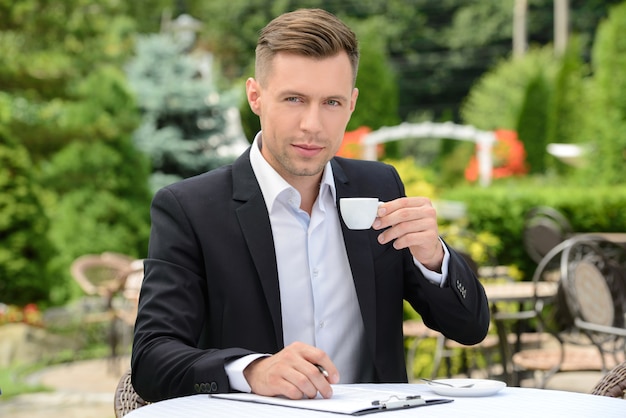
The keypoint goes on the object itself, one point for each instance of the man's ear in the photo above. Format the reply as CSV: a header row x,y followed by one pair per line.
x,y
355,95
253,93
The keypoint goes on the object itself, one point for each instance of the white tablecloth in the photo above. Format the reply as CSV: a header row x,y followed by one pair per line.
x,y
509,402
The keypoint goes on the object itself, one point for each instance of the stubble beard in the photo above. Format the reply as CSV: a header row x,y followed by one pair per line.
x,y
298,170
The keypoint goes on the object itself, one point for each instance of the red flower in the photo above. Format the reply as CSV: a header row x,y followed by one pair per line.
x,y
509,157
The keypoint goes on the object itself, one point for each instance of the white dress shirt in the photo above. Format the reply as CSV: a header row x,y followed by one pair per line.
x,y
318,299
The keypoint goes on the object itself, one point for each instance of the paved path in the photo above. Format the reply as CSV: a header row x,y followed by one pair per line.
x,y
82,389
85,389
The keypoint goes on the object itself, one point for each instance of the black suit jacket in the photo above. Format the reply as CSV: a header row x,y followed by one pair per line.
x,y
210,292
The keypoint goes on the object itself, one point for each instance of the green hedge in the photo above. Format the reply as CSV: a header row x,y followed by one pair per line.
x,y
500,210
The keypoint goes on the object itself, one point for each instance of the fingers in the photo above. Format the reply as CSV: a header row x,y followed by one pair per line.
x,y
411,222
293,372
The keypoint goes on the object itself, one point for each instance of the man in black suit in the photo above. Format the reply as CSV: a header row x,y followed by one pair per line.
x,y
254,283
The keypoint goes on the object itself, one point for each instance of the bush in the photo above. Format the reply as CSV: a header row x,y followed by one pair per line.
x,y
500,210
24,246
417,181
99,201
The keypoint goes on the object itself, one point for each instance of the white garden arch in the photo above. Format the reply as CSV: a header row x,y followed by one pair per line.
x,y
448,130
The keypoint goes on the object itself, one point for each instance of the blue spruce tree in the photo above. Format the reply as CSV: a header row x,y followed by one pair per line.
x,y
187,124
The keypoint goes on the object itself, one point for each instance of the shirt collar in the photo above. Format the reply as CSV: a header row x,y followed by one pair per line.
x,y
272,184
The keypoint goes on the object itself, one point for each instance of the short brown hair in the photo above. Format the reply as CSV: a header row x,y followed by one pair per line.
x,y
313,33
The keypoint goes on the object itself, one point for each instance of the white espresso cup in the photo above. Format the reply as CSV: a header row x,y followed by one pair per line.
x,y
358,212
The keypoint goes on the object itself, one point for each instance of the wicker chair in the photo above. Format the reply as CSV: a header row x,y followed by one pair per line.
x,y
126,399
124,303
100,276
613,383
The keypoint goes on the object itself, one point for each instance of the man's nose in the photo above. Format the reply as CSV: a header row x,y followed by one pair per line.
x,y
311,119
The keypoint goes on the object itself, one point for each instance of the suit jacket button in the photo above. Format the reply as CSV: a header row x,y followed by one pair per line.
x,y
213,387
461,288
196,387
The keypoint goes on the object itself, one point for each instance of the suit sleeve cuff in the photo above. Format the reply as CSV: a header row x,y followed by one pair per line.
x,y
432,276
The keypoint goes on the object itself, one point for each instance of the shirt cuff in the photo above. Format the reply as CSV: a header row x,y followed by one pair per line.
x,y
234,371
432,276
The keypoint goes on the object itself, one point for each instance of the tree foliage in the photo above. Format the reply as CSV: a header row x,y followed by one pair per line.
x,y
52,52
65,99
497,98
566,108
532,122
606,118
377,104
24,245
437,49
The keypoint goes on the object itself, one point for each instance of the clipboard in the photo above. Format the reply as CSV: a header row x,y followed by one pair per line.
x,y
347,399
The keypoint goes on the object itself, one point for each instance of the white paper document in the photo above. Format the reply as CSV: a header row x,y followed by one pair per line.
x,y
347,399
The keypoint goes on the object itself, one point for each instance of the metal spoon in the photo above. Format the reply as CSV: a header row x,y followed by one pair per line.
x,y
431,382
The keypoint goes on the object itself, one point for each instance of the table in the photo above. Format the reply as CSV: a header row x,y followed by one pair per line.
x,y
616,237
509,402
519,292
496,292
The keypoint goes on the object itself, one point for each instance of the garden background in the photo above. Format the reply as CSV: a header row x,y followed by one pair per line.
x,y
102,102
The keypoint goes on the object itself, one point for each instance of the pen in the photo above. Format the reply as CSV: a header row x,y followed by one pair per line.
x,y
322,370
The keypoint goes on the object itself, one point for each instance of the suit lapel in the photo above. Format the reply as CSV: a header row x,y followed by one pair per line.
x,y
358,247
256,229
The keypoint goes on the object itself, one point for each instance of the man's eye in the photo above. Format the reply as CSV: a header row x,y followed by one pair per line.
x,y
333,102
293,99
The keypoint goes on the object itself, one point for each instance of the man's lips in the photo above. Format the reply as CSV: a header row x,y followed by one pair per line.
x,y
308,150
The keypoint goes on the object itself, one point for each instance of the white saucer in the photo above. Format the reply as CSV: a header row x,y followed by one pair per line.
x,y
482,387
